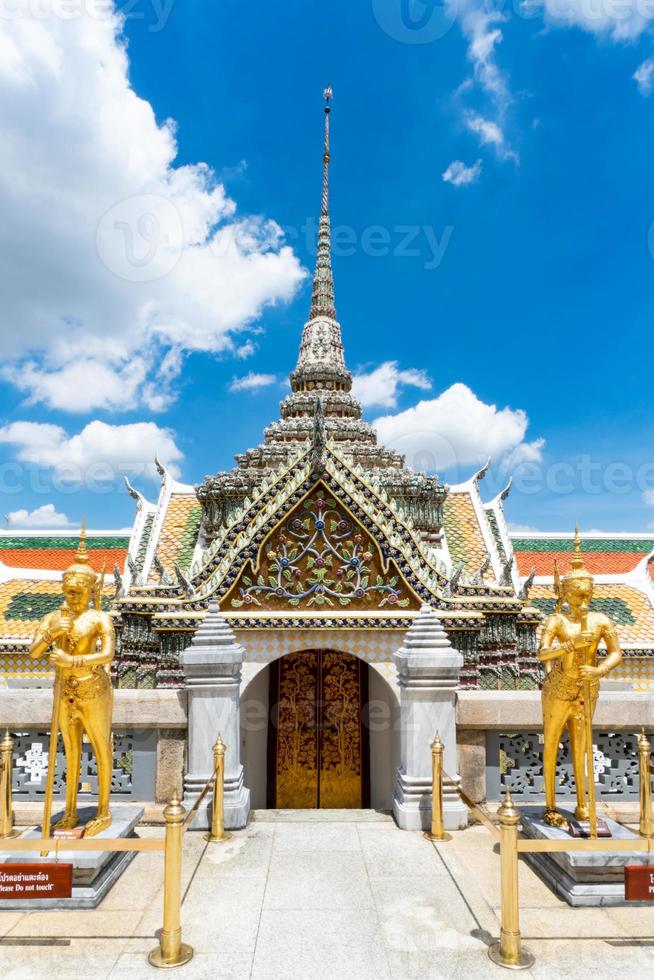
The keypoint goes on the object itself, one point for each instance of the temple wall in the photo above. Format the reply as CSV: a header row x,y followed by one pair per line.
x,y
497,735
376,647
254,736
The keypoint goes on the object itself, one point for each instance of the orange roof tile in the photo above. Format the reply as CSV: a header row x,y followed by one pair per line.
x,y
597,562
59,559
55,552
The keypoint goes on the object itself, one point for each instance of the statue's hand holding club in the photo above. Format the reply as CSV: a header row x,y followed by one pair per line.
x,y
62,629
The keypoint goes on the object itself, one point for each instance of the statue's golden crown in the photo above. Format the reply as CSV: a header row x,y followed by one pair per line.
x,y
578,570
81,570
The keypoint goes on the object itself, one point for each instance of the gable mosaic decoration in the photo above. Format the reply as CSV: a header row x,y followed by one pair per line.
x,y
320,556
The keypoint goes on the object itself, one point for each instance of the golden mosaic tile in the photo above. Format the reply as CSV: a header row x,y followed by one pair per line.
x,y
179,532
24,602
463,533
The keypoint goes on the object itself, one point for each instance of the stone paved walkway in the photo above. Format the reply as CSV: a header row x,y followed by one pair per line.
x,y
299,896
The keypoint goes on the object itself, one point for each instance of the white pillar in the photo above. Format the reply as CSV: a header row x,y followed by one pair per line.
x,y
428,669
212,667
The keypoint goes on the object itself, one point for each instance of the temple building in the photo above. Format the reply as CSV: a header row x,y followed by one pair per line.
x,y
325,607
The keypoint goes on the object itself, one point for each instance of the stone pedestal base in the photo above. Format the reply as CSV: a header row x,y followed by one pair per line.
x,y
582,878
94,872
237,802
412,804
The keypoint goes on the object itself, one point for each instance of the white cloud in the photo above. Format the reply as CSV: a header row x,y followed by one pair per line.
x,y
245,350
458,174
620,20
524,452
521,528
644,76
490,134
381,386
479,26
44,517
458,430
114,256
648,497
106,450
252,381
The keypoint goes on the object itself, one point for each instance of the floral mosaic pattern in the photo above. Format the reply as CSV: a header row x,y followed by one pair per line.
x,y
320,557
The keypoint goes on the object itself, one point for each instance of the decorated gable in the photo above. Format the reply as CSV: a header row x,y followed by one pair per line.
x,y
319,557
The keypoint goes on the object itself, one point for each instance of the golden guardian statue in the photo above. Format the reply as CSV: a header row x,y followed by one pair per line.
x,y
569,642
81,639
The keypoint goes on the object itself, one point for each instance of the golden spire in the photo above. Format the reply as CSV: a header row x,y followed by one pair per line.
x,y
577,559
577,567
81,555
81,566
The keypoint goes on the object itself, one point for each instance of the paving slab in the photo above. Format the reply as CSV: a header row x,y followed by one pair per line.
x,y
335,900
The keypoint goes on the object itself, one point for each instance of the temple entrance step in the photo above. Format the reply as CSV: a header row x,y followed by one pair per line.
x,y
321,816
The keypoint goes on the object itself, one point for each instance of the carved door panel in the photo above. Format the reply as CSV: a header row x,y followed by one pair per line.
x,y
318,750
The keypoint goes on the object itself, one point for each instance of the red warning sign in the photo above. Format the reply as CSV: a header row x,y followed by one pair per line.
x,y
36,881
639,883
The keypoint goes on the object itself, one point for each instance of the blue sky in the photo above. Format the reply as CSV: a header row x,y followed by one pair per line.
x,y
527,288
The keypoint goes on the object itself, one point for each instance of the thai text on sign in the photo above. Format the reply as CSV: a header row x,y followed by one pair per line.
x,y
639,883
36,881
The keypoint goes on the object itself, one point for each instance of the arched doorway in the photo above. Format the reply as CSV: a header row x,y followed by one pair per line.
x,y
318,745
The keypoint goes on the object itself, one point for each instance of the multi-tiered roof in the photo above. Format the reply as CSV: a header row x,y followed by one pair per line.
x,y
319,527
321,376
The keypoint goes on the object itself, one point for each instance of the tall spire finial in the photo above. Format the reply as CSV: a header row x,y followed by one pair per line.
x,y
328,96
322,297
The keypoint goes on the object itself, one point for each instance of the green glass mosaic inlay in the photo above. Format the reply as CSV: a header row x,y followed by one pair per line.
x,y
61,544
597,544
27,605
616,609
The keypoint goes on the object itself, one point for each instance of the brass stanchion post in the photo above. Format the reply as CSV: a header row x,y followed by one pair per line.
x,y
437,831
645,767
217,834
171,951
509,952
6,802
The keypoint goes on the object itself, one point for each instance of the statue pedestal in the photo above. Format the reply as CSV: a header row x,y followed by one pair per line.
x,y
94,872
582,878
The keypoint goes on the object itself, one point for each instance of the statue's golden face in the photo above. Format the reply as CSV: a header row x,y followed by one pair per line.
x,y
77,593
578,592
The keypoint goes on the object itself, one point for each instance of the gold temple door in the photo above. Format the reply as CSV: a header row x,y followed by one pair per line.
x,y
318,751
